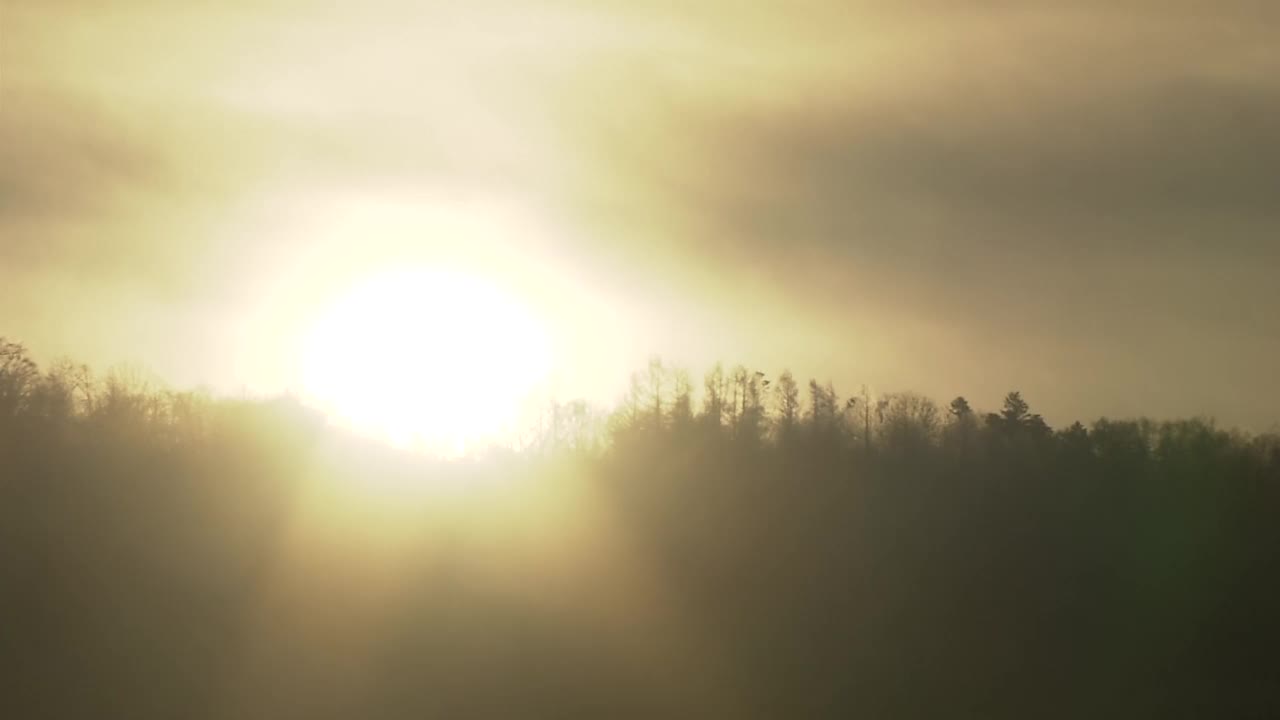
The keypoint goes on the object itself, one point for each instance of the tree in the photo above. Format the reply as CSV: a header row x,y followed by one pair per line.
x,y
575,426
1075,445
655,379
18,373
823,412
862,405
630,414
909,423
79,382
130,403
1123,447
50,398
787,393
713,409
737,401
682,400
962,424
1016,418
751,413
1015,409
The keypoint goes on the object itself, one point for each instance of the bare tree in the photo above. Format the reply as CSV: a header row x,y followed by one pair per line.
x,y
655,384
751,411
823,403
713,406
682,399
909,423
18,374
787,393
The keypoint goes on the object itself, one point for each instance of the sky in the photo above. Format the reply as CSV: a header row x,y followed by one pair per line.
x,y
1077,200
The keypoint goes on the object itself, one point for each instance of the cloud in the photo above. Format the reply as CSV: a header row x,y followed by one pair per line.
x,y
1033,196
937,188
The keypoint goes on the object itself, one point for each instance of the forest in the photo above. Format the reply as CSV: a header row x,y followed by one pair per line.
x,y
747,545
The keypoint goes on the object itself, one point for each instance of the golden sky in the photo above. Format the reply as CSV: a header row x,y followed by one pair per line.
x,y
1078,200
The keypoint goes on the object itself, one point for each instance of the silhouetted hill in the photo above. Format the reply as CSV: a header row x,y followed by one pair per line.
x,y
748,553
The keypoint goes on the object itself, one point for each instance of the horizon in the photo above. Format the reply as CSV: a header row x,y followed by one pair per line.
x,y
765,360
1071,201
536,408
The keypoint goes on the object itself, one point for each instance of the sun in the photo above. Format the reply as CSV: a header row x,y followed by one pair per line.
x,y
426,358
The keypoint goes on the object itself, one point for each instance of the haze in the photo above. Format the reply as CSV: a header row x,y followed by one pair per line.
x,y
1076,200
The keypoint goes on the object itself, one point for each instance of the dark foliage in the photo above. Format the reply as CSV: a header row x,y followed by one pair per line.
x,y
171,555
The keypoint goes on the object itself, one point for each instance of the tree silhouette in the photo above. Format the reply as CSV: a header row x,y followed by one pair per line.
x,y
961,425
787,393
714,391
1121,567
682,400
1016,410
18,375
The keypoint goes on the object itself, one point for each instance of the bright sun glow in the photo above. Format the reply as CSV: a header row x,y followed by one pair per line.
x,y
429,359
